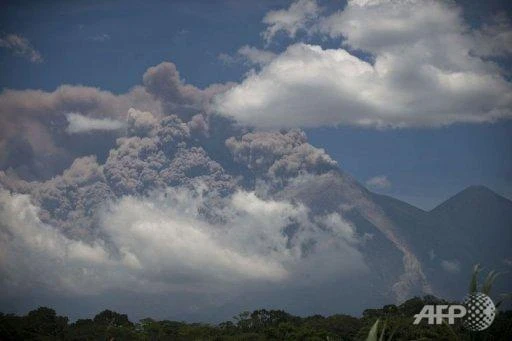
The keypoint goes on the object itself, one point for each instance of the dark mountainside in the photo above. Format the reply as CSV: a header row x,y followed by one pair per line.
x,y
474,226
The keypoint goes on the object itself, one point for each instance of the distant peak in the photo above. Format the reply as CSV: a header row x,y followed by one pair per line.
x,y
471,195
477,188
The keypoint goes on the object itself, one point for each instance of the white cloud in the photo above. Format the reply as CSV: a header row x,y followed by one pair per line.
x,y
256,56
35,255
291,20
383,25
378,182
162,244
249,55
171,241
21,46
425,72
81,124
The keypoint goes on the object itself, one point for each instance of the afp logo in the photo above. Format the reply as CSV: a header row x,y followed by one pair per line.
x,y
477,312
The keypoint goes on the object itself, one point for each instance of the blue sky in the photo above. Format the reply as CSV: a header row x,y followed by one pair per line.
x,y
111,44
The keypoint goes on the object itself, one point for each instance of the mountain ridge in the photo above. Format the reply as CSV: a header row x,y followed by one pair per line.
x,y
472,191
473,226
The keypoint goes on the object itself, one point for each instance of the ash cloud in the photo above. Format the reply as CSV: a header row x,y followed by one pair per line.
x,y
164,83
39,118
156,193
20,46
175,207
54,128
277,157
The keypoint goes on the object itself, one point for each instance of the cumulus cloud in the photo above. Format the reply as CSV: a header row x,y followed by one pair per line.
x,y
379,182
383,25
423,72
255,55
164,243
81,124
173,243
20,46
297,17
36,255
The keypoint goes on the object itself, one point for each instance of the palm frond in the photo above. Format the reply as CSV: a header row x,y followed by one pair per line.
x,y
473,285
489,281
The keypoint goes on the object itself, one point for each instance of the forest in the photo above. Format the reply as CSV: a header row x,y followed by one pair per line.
x,y
395,323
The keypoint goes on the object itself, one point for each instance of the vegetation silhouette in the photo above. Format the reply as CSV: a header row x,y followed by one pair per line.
x,y
44,324
391,322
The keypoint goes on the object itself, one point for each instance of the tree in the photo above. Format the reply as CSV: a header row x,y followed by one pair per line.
x,y
44,322
111,318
